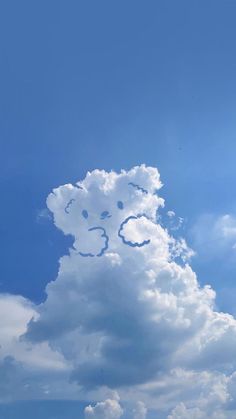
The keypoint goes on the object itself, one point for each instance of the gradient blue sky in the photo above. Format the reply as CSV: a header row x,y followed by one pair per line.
x,y
104,84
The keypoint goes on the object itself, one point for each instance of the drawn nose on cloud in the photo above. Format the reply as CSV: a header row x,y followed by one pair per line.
x,y
104,215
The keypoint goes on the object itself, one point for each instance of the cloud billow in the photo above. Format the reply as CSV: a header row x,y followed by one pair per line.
x,y
126,310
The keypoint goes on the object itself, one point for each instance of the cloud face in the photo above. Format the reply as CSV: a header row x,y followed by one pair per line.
x,y
126,310
94,210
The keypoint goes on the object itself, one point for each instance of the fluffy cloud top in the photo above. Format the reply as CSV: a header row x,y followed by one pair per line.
x,y
109,409
126,310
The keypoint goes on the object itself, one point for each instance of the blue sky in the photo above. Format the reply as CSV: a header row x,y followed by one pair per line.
x,y
111,85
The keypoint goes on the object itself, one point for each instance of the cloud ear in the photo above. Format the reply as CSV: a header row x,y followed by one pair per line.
x,y
58,199
138,187
60,202
144,179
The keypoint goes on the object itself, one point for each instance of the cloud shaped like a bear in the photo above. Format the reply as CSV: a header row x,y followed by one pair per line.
x,y
123,311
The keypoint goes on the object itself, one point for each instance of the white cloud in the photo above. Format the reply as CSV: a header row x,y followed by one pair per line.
x,y
15,314
213,238
139,319
27,370
215,234
126,310
181,412
140,411
109,409
205,391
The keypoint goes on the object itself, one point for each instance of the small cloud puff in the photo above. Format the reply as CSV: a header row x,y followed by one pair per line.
x,y
140,411
215,234
109,409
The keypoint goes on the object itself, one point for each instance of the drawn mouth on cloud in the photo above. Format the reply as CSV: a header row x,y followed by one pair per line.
x,y
96,229
103,249
121,233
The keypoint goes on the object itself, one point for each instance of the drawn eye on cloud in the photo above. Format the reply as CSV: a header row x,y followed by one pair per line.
x,y
107,210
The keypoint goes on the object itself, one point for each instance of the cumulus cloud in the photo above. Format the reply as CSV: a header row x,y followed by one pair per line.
x,y
126,310
181,412
206,392
216,235
109,409
122,286
15,313
27,370
213,238
140,411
